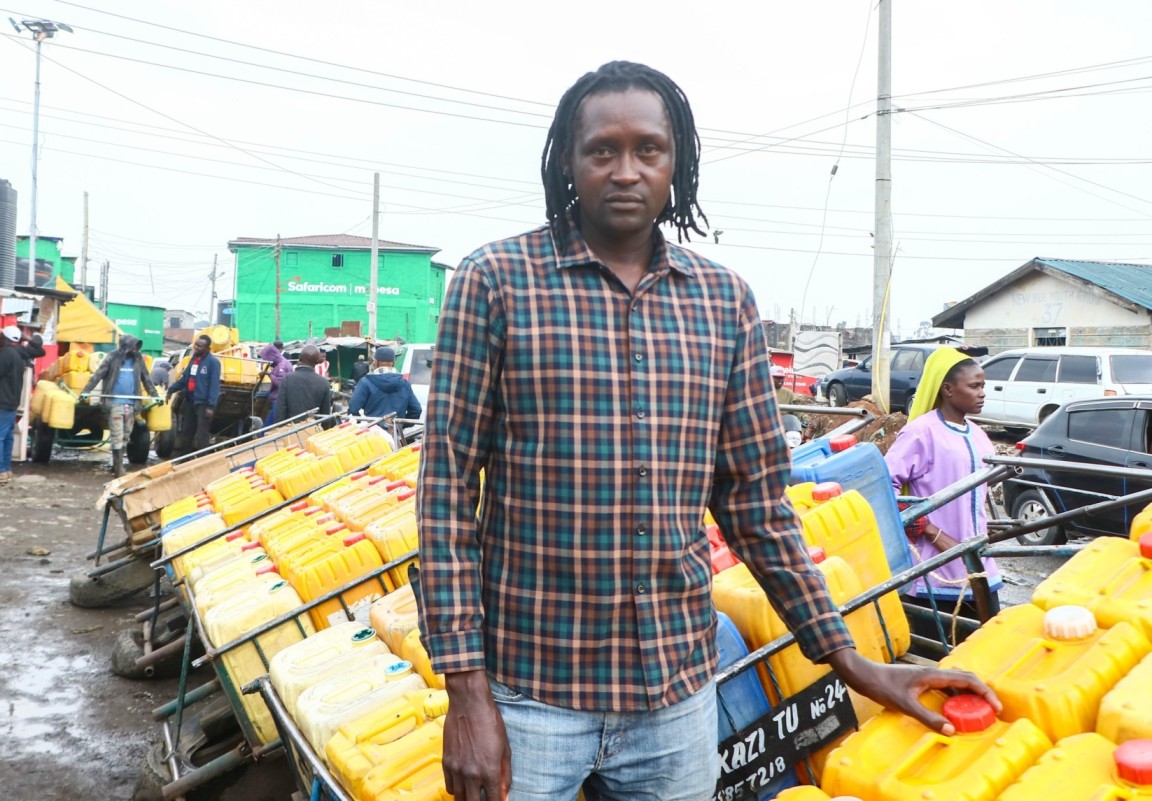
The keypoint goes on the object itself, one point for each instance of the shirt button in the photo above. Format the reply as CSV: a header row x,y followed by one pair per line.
x,y
639,357
640,414
642,470
641,588
641,530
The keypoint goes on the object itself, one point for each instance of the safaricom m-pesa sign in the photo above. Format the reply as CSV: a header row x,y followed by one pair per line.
x,y
338,289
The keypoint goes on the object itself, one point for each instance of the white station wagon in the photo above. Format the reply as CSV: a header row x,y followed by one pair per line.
x,y
1024,386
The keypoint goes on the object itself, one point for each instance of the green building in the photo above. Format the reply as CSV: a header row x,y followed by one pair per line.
x,y
146,323
324,282
50,261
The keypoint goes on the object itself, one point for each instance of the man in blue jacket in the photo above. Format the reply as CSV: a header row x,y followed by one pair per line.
x,y
384,391
201,385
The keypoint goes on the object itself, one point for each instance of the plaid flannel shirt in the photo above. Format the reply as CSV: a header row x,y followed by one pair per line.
x,y
605,421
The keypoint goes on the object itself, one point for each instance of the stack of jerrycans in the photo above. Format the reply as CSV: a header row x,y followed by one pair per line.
x,y
393,749
234,616
896,758
1113,579
737,593
741,700
396,621
355,446
326,653
842,524
860,467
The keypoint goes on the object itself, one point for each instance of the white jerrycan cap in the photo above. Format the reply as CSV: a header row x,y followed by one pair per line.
x,y
1069,623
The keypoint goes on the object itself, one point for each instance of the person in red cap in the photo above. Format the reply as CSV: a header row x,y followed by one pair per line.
x,y
783,394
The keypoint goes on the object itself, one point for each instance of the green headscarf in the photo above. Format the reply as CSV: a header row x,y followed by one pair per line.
x,y
936,367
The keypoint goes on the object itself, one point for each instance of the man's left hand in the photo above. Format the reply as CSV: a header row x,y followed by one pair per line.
x,y
899,687
209,411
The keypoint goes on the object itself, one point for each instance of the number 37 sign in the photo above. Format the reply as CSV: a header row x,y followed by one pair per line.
x,y
767,749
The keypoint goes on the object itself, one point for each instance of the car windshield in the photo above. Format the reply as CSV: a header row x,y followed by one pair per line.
x,y
1132,369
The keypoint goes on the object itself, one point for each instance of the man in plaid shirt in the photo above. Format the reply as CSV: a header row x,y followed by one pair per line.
x,y
612,386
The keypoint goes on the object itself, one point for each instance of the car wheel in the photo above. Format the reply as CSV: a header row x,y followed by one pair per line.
x,y
1045,412
837,395
908,403
1031,505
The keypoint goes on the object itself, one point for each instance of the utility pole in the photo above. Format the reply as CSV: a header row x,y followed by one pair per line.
x,y
882,258
373,264
40,29
84,250
104,286
212,316
277,286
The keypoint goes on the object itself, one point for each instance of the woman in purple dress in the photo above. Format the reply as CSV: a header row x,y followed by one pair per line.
x,y
937,448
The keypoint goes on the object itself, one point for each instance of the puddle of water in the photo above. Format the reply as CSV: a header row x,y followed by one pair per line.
x,y
35,738
43,676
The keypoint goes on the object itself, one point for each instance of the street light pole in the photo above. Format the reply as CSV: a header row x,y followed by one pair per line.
x,y
40,29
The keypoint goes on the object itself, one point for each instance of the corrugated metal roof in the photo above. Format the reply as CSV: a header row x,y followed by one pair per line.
x,y
1133,282
334,241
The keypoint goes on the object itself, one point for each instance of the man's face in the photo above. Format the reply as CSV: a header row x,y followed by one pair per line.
x,y
200,347
778,381
622,159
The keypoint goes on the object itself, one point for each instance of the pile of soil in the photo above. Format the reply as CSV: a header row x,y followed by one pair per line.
x,y
881,431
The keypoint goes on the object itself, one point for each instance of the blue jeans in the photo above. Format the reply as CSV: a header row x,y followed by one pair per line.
x,y
664,755
7,427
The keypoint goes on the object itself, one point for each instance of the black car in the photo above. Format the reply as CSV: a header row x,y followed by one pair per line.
x,y
1106,431
906,366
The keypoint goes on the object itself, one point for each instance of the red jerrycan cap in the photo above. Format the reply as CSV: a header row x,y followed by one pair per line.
x,y
1134,762
826,491
816,554
1146,545
841,443
969,713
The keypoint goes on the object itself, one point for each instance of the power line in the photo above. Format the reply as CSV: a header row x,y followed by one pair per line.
x,y
168,116
250,46
1048,167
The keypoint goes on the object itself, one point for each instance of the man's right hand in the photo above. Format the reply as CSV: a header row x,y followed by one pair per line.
x,y
476,753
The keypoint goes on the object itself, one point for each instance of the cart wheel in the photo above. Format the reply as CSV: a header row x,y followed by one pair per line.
x,y
139,442
218,722
152,777
123,582
165,444
42,443
128,647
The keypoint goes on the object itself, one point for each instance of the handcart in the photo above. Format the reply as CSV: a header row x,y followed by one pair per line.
x,y
206,729
89,428
121,568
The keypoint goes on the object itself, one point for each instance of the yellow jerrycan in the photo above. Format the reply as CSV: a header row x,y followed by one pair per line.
x,y
1126,711
409,767
393,616
1053,667
324,654
1088,767
896,758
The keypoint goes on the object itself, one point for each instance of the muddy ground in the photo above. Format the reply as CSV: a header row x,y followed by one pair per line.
x,y
69,728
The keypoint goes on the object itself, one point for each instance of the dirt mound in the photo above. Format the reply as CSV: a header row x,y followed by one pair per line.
x,y
881,431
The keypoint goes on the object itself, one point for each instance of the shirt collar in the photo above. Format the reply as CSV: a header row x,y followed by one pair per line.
x,y
572,250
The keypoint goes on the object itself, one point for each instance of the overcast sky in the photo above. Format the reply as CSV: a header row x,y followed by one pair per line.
x,y
190,124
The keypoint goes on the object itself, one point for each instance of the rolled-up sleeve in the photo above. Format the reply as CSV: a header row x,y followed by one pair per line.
x,y
748,501
460,415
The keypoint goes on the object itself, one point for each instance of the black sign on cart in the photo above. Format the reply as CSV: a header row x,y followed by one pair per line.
x,y
766,749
